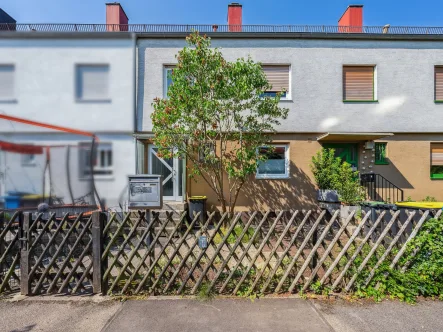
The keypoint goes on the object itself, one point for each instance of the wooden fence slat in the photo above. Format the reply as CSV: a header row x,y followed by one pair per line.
x,y
359,248
328,250
133,253
417,249
189,252
176,249
285,252
217,251
55,257
373,249
202,252
345,248
271,255
154,263
66,261
259,250
149,250
300,250
245,251
232,251
388,250
313,251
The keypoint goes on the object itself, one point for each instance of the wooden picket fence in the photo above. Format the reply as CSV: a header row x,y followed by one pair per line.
x,y
248,253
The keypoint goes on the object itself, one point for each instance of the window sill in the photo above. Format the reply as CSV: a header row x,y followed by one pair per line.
x,y
93,101
8,101
437,177
359,101
270,177
438,101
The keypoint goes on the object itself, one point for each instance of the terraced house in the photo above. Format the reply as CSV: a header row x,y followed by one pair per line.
x,y
374,94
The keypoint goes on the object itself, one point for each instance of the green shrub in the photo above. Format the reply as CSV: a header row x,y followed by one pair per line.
x,y
423,276
325,167
429,199
347,184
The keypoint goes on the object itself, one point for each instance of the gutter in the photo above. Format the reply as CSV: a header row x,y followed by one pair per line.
x,y
296,35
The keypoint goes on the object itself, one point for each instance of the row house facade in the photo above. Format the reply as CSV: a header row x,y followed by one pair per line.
x,y
374,94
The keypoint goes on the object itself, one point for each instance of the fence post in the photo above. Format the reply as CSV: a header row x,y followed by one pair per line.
x,y
314,241
25,221
99,285
2,245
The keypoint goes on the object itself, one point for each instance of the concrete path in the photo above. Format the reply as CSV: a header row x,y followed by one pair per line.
x,y
276,315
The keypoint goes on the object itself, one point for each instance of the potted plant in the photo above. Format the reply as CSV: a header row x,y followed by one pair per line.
x,y
325,167
350,192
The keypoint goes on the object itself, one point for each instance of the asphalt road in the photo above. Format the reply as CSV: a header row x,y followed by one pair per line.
x,y
277,315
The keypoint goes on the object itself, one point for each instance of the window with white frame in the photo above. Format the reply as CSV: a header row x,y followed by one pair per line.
x,y
102,163
92,83
7,84
279,78
276,165
167,71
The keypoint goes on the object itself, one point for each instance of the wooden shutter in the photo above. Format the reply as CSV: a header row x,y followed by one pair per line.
x,y
278,77
438,83
437,154
358,83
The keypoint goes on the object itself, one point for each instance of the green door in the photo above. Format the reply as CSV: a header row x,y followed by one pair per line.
x,y
346,151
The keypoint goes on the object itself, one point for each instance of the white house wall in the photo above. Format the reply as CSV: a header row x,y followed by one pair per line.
x,y
45,83
404,71
29,179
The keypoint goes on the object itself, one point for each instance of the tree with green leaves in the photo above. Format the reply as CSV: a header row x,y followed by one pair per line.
x,y
216,115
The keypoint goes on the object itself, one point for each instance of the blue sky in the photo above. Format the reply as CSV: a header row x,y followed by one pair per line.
x,y
327,12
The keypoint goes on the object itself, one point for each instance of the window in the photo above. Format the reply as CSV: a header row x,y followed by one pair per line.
x,y
7,82
438,83
278,77
277,164
102,163
92,83
359,83
381,154
436,160
167,79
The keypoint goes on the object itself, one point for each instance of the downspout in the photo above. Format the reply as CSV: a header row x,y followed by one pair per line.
x,y
134,101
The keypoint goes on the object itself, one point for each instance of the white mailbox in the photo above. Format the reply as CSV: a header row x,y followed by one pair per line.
x,y
145,191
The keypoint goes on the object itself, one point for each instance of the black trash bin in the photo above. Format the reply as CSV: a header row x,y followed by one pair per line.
x,y
376,208
198,204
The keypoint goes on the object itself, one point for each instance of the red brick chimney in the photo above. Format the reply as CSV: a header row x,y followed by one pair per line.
x,y
116,16
235,17
352,19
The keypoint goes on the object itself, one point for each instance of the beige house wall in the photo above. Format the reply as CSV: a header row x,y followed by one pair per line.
x,y
409,169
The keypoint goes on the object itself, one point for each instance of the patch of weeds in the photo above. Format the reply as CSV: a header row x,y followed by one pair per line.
x,y
205,294
235,234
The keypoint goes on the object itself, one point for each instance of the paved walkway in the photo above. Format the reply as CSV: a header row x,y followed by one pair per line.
x,y
276,315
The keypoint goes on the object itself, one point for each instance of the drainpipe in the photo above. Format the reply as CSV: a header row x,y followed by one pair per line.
x,y
134,101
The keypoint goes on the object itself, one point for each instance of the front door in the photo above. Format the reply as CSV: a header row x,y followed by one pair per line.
x,y
346,151
172,171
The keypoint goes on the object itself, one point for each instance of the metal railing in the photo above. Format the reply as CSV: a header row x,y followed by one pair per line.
x,y
206,28
379,188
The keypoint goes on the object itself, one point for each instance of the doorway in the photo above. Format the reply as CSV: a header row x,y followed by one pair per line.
x,y
346,151
172,171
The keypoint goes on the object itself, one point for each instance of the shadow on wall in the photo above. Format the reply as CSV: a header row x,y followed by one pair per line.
x,y
296,192
393,174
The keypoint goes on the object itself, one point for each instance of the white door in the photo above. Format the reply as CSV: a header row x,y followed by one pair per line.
x,y
172,171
